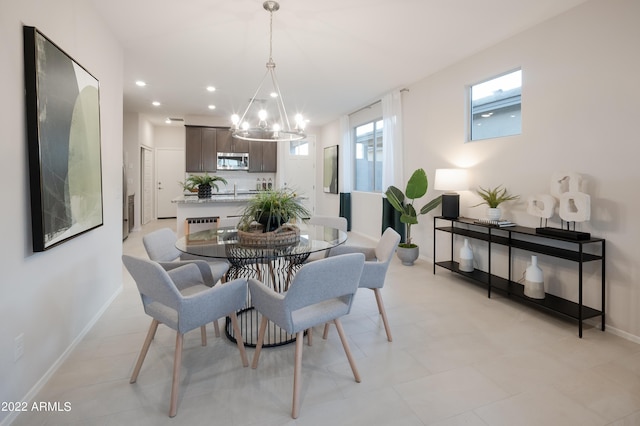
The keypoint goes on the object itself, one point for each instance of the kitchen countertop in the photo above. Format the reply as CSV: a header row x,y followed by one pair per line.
x,y
223,197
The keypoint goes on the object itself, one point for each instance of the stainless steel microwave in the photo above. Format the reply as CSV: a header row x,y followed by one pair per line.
x,y
233,161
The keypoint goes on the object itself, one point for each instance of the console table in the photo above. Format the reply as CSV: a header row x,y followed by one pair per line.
x,y
526,239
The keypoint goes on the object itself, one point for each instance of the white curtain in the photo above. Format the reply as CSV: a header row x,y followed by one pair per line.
x,y
392,140
345,183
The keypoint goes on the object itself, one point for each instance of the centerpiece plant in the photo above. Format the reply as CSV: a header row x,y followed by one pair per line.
x,y
417,186
272,209
493,197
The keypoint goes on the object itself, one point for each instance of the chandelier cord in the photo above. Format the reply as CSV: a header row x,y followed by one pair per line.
x,y
270,36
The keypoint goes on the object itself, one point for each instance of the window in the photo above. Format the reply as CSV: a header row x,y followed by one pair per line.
x,y
495,107
299,148
368,157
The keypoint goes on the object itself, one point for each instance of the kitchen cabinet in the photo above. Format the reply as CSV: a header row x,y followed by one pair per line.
x,y
200,149
263,157
227,143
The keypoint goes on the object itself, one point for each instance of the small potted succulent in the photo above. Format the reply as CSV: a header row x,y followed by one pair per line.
x,y
204,183
493,197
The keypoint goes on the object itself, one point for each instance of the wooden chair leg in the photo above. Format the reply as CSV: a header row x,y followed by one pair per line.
x,y
216,328
177,360
239,341
297,379
347,351
325,333
309,336
203,335
383,313
145,347
256,354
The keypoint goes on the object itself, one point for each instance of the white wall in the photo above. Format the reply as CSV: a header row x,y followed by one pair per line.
x,y
580,106
54,297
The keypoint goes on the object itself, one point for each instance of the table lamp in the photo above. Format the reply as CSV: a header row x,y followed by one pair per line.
x,y
451,180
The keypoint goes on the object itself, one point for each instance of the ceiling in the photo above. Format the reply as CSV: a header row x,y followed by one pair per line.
x,y
332,56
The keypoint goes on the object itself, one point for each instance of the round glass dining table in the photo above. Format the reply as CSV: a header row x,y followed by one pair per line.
x,y
274,264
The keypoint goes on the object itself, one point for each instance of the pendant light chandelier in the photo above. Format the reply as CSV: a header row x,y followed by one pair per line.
x,y
265,118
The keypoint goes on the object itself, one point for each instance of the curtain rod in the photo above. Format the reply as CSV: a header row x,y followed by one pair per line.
x,y
374,103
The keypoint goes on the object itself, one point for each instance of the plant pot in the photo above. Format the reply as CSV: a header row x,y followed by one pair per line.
x,y
494,213
271,223
204,191
408,255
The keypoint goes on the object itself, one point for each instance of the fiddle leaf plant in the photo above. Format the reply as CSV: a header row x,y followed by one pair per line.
x,y
403,202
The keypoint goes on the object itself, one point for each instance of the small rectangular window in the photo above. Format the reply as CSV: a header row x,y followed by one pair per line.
x,y
299,148
495,106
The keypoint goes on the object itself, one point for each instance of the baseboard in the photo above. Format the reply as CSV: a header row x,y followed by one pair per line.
x,y
33,392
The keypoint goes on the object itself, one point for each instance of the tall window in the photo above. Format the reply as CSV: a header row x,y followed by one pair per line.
x,y
368,157
495,107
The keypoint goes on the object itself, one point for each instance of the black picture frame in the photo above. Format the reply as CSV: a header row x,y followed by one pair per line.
x,y
330,170
63,138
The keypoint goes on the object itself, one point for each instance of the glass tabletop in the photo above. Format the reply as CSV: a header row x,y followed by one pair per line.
x,y
223,242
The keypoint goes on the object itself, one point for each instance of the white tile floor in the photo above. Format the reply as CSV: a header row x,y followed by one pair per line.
x,y
458,358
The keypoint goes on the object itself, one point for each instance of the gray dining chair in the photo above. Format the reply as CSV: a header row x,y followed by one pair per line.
x,y
337,222
375,269
320,292
161,247
179,298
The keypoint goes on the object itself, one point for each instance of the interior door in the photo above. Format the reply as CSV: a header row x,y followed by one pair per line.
x,y
146,158
300,170
170,167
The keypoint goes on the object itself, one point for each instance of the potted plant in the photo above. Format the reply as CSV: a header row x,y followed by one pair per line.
x,y
493,197
403,202
272,209
204,183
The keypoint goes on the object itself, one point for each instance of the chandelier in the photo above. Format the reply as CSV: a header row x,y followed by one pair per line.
x,y
265,118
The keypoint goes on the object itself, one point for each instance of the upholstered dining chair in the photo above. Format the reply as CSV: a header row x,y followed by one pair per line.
x,y
180,299
375,269
330,221
161,247
321,292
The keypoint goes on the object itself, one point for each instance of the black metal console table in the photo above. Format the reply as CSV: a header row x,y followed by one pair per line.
x,y
523,238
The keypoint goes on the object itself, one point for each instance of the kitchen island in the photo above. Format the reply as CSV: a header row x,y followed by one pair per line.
x,y
219,204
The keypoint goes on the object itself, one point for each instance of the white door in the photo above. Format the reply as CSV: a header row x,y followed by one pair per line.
x,y
169,172
300,170
146,158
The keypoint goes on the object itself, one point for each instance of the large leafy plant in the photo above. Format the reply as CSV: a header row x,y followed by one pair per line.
x,y
272,209
194,181
403,202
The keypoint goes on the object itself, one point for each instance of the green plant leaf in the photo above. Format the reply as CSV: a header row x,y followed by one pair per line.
x,y
431,205
396,198
417,185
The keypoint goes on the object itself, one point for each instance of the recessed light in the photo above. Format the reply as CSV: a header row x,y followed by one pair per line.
x,y
140,83
212,107
211,89
274,95
155,103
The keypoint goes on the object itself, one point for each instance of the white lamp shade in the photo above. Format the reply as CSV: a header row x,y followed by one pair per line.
x,y
451,180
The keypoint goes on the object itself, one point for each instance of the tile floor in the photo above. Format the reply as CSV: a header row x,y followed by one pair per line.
x,y
458,358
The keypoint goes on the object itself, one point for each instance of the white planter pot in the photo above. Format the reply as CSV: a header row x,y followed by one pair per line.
x,y
408,255
494,213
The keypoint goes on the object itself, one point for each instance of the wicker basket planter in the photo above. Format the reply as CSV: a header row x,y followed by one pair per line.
x,y
286,235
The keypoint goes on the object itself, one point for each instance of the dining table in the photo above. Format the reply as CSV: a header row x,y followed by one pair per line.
x,y
273,262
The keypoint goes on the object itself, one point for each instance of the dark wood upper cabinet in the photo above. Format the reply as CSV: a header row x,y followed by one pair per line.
x,y
200,149
263,156
227,143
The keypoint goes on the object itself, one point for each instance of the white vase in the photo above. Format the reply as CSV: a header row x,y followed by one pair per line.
x,y
494,213
466,257
534,280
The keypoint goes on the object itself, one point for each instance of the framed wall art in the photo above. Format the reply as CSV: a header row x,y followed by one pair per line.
x,y
63,137
330,173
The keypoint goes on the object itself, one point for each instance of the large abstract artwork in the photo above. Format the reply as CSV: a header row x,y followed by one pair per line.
x,y
63,132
